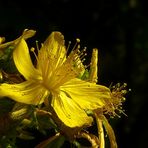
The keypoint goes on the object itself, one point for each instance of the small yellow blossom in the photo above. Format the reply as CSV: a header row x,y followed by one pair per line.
x,y
56,77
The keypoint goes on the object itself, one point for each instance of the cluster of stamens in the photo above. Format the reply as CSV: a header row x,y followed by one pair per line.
x,y
77,57
33,50
114,105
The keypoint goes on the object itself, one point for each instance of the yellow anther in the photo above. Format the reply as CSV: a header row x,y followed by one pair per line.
x,y
78,40
32,49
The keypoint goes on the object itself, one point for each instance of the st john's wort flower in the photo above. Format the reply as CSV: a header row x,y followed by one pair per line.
x,y
56,75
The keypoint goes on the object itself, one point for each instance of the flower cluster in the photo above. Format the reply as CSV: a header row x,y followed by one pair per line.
x,y
62,88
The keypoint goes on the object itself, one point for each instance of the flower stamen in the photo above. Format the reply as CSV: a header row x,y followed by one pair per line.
x,y
37,46
118,92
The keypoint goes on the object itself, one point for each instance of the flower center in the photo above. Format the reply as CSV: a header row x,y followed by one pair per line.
x,y
56,69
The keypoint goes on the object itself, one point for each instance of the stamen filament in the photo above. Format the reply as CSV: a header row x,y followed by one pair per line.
x,y
33,51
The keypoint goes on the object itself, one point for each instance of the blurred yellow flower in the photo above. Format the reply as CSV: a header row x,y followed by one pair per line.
x,y
112,105
56,77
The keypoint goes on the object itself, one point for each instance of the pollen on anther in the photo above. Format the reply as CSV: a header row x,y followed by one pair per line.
x,y
37,46
69,43
130,89
78,40
32,49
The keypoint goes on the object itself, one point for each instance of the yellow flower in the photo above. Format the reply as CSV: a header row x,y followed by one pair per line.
x,y
56,75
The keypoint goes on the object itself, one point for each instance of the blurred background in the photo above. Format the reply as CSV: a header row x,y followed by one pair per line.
x,y
119,29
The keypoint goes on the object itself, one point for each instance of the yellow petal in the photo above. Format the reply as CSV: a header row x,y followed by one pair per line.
x,y
2,39
53,42
27,92
23,61
69,112
93,76
53,48
87,95
26,34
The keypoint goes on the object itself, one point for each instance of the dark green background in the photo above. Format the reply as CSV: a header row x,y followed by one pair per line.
x,y
118,28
